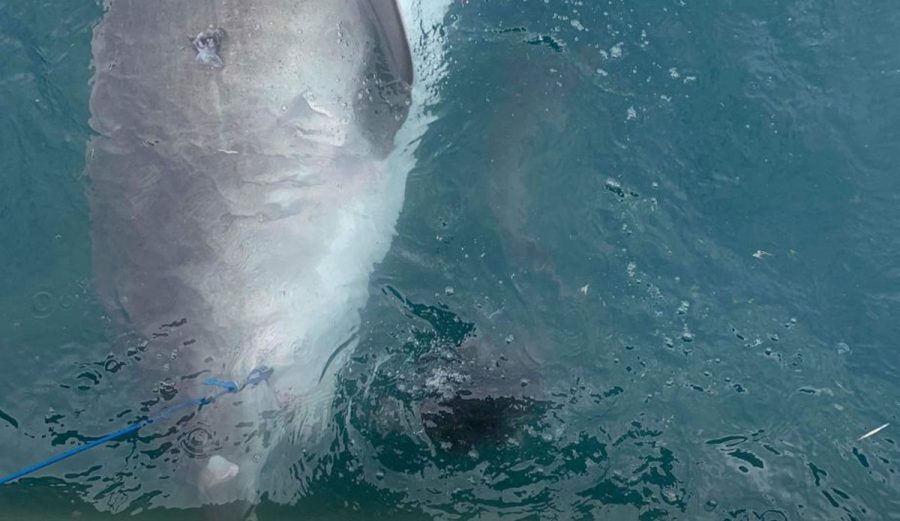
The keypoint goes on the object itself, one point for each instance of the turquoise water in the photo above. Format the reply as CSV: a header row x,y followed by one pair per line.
x,y
666,231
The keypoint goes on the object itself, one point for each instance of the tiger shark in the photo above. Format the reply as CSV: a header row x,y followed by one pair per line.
x,y
246,177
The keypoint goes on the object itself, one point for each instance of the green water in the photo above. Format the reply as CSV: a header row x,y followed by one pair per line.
x,y
674,226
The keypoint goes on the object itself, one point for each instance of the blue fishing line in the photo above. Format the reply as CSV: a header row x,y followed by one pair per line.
x,y
260,374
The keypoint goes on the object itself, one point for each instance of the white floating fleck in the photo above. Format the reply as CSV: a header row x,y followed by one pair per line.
x,y
616,51
220,470
761,253
872,432
584,289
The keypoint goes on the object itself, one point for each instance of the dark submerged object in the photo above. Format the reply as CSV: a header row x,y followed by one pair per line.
x,y
487,402
463,423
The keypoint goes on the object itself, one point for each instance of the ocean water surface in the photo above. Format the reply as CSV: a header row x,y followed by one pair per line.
x,y
648,267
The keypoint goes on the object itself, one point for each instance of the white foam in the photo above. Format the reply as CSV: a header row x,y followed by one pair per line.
x,y
219,470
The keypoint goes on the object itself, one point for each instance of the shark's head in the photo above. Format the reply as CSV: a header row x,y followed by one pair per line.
x,y
243,188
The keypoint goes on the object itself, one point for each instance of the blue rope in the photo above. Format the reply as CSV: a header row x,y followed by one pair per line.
x,y
256,376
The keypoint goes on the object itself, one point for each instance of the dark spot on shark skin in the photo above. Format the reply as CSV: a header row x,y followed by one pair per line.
x,y
174,323
207,44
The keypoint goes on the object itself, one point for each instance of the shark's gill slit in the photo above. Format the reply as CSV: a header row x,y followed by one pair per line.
x,y
354,336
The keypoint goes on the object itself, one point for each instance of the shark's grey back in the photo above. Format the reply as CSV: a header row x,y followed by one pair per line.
x,y
238,210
